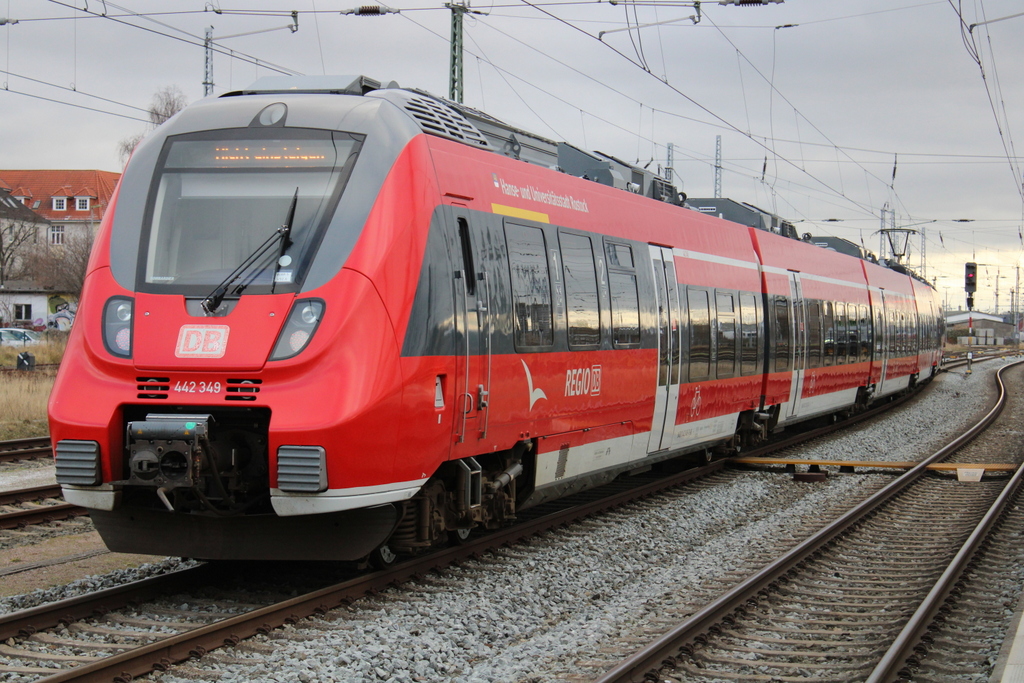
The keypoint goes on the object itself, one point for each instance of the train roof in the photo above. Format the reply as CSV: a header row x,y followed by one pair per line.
x,y
455,121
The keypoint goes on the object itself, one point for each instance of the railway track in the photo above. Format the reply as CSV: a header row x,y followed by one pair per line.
x,y
855,601
77,629
36,505
33,448
81,629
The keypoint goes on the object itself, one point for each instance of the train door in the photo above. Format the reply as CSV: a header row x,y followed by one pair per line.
x,y
473,324
666,397
883,335
798,349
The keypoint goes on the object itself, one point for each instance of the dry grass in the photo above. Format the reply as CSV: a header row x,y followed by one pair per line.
x,y
48,353
23,395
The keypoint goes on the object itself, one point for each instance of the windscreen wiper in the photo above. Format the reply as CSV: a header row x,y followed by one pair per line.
x,y
213,300
286,240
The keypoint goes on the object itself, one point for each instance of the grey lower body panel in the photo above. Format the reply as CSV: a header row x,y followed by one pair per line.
x,y
349,535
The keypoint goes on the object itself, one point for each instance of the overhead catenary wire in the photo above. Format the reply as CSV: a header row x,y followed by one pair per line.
x,y
583,111
849,154
632,131
76,91
189,38
773,90
699,105
72,104
1002,124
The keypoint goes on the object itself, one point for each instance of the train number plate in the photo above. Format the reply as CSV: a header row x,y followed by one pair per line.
x,y
197,387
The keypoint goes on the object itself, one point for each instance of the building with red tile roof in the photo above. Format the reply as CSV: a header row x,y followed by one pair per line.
x,y
68,207
72,201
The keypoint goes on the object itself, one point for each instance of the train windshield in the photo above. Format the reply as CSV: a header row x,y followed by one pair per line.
x,y
218,195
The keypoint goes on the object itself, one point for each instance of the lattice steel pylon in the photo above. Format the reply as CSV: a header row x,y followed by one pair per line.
x,y
718,166
455,71
208,77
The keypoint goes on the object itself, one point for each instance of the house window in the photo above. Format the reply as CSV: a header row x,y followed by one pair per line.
x,y
22,311
60,203
82,203
56,234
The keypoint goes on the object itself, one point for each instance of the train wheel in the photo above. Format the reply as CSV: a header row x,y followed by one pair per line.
x,y
458,536
383,557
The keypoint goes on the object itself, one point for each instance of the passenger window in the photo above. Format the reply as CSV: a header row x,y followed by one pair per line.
x,y
625,300
893,330
625,309
865,334
904,346
580,291
726,341
814,334
531,286
619,255
700,334
842,337
749,337
782,335
878,330
829,329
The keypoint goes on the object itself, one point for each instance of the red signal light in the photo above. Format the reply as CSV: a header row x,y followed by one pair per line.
x,y
970,277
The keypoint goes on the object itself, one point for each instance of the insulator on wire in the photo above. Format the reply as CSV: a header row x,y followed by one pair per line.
x,y
371,11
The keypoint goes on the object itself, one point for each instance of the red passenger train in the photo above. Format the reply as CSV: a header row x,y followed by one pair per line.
x,y
325,319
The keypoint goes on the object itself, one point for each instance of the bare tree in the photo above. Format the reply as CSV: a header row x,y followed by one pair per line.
x,y
62,267
126,146
14,235
166,102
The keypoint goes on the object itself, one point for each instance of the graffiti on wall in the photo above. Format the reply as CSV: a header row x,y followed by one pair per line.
x,y
60,313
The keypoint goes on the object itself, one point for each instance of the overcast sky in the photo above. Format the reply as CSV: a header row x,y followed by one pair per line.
x,y
817,102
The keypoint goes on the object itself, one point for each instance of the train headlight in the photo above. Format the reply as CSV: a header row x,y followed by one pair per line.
x,y
298,329
117,326
123,311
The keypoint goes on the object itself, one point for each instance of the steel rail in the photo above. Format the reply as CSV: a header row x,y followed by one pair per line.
x,y
30,442
178,648
28,621
904,647
666,647
21,449
40,515
159,656
34,493
162,654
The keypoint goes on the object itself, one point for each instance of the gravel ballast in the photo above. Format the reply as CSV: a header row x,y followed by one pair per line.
x,y
545,610
565,605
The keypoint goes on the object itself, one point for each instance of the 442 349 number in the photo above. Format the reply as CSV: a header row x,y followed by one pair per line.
x,y
194,387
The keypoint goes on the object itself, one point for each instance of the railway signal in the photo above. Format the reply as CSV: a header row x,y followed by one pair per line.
x,y
970,278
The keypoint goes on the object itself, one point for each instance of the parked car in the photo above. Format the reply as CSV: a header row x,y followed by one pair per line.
x,y
15,336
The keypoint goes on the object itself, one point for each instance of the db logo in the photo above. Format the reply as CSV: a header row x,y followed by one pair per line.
x,y
202,341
